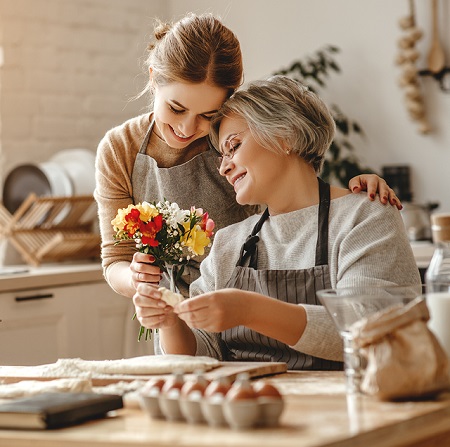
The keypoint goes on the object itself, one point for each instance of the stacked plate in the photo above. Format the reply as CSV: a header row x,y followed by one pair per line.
x,y
68,172
79,167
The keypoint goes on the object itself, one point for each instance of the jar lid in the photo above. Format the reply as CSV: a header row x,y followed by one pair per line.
x,y
440,227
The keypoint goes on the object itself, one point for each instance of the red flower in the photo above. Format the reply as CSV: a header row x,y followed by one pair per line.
x,y
149,230
133,221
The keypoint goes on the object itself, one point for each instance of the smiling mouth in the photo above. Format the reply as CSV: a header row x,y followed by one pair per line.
x,y
237,179
180,135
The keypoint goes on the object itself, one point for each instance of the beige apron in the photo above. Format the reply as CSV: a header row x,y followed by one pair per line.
x,y
290,286
176,184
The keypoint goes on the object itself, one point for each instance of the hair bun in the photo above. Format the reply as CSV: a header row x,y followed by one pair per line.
x,y
161,30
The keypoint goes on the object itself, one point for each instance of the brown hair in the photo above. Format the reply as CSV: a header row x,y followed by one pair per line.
x,y
197,48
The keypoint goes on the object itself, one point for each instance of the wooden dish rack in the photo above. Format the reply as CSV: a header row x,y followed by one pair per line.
x,y
46,229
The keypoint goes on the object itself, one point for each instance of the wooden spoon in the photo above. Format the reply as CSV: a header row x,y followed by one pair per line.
x,y
436,56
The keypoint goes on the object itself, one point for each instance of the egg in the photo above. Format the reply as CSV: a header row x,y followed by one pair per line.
x,y
196,386
264,389
153,386
241,389
219,386
172,386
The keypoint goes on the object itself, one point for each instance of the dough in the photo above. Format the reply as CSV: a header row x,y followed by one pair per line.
x,y
171,298
79,368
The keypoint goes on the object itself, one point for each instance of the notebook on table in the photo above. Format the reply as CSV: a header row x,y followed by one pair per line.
x,y
54,410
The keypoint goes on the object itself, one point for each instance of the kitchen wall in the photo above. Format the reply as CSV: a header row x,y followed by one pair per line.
x,y
71,66
273,34
70,69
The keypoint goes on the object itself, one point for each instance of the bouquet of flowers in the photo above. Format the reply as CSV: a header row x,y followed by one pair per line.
x,y
172,235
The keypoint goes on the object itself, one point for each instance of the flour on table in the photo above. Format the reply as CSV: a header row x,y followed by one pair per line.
x,y
31,387
101,369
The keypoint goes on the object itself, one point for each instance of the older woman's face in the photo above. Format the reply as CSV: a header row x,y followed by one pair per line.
x,y
253,170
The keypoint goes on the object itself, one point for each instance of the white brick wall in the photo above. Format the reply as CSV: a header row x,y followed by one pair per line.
x,y
70,68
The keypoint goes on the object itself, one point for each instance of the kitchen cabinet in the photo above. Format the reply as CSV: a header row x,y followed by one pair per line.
x,y
78,319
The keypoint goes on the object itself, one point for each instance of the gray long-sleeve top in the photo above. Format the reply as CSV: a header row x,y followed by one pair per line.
x,y
367,246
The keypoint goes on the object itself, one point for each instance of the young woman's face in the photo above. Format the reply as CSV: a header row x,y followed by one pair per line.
x,y
183,111
253,170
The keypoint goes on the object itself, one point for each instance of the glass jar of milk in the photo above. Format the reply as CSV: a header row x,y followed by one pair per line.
x,y
437,280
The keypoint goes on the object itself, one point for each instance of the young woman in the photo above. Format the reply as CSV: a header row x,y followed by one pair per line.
x,y
194,66
256,297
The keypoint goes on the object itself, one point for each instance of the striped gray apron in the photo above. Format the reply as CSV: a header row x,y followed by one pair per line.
x,y
290,286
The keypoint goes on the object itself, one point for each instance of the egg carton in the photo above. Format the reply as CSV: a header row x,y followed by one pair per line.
x,y
239,406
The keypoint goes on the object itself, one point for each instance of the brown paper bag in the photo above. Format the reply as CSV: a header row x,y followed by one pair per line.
x,y
404,358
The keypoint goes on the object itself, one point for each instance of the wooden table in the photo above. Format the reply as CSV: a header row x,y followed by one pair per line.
x,y
317,413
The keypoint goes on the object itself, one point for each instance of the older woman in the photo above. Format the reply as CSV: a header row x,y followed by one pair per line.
x,y
256,297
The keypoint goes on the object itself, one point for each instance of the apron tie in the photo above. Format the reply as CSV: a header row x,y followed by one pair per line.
x,y
250,247
249,250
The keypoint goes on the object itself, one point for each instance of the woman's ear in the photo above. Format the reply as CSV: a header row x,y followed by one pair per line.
x,y
285,147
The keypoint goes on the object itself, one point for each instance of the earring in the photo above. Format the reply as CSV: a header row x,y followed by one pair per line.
x,y
288,152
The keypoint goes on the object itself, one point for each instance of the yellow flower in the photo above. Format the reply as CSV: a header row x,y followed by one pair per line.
x,y
196,240
119,221
147,210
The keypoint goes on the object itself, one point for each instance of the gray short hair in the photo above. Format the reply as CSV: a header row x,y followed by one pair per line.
x,y
281,114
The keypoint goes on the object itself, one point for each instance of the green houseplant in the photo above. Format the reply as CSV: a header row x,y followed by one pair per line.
x,y
341,163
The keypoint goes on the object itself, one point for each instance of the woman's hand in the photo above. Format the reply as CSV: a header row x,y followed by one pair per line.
x,y
374,184
214,311
223,309
151,311
142,270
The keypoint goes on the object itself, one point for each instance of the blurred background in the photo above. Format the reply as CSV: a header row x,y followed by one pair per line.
x,y
69,70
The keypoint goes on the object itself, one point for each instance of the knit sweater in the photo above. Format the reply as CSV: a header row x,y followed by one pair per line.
x,y
367,246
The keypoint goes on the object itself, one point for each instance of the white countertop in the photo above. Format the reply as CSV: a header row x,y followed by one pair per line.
x,y
24,277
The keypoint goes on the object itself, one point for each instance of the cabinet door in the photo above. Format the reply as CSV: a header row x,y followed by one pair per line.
x,y
34,327
85,320
105,316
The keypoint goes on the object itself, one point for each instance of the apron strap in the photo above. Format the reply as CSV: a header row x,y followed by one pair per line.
x,y
250,247
322,231
143,148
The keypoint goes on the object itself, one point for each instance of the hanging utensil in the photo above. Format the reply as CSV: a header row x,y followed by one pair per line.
x,y
436,55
